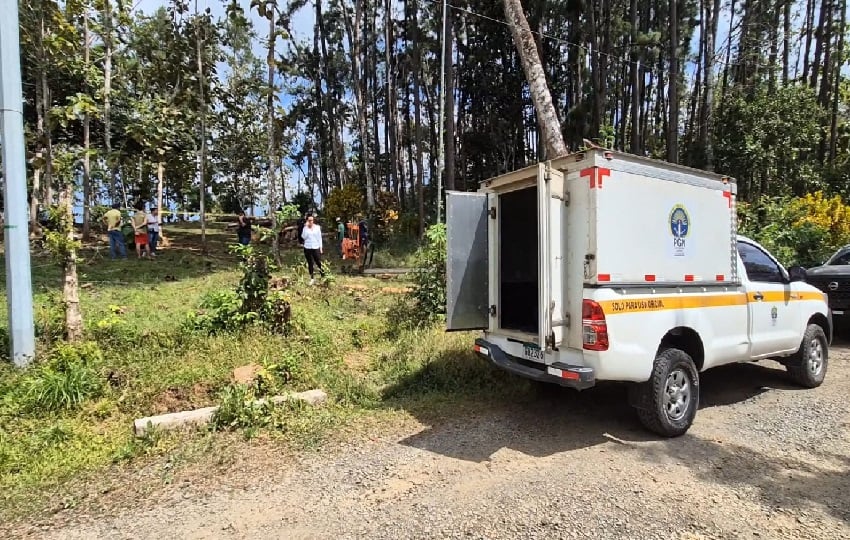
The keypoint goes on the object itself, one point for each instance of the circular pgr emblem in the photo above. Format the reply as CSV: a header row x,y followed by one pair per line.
x,y
680,221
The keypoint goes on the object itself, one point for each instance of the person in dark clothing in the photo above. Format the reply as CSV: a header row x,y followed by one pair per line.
x,y
364,232
243,229
301,221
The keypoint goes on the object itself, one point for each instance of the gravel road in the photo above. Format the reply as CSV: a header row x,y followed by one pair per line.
x,y
763,460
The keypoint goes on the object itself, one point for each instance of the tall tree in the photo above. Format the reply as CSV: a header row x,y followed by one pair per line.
x,y
547,118
673,86
449,117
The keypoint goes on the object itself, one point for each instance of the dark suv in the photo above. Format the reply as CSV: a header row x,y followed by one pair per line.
x,y
833,278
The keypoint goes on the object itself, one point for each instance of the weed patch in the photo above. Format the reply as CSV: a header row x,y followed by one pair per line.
x,y
66,380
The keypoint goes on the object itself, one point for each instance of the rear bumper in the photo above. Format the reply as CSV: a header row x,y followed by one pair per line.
x,y
578,377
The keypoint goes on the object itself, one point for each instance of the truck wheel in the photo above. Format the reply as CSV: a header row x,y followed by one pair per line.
x,y
808,366
670,398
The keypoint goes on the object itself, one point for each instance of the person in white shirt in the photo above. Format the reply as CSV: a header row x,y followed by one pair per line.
x,y
153,230
312,235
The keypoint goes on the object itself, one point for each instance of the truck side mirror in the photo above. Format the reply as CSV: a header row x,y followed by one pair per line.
x,y
797,273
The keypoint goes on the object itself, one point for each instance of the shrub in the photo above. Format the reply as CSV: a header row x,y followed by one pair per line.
x,y
287,370
113,332
805,230
254,284
220,311
66,379
385,216
251,303
50,320
277,312
345,203
238,409
429,279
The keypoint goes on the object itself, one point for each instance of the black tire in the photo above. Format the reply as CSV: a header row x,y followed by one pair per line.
x,y
809,364
654,409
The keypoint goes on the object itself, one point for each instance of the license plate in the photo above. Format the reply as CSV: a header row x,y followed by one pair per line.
x,y
837,312
532,352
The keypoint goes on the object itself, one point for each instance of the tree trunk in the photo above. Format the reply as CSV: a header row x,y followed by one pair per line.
x,y
272,160
358,76
807,32
819,42
833,129
71,286
417,122
773,39
202,156
338,162
160,175
706,136
107,103
35,227
673,85
595,70
449,117
826,38
547,118
87,198
394,171
48,142
726,63
786,41
636,80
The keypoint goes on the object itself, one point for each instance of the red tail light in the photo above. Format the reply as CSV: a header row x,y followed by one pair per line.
x,y
594,327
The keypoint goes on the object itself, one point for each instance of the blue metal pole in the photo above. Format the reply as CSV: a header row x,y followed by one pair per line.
x,y
16,226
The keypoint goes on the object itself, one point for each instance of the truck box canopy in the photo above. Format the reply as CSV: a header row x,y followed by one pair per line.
x,y
592,219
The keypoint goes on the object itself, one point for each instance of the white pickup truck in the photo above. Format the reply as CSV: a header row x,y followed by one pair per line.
x,y
607,266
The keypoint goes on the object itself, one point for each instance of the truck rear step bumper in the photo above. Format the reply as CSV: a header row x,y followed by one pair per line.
x,y
578,377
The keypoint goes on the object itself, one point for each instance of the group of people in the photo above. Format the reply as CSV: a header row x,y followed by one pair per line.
x,y
310,237
146,231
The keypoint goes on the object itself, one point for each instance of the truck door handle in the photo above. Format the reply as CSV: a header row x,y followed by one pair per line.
x,y
758,296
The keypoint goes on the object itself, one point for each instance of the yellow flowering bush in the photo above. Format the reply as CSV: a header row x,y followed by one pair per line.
x,y
799,230
830,215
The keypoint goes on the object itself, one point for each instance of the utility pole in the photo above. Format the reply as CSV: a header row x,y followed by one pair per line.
x,y
16,226
441,144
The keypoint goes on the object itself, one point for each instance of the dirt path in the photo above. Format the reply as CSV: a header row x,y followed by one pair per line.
x,y
764,460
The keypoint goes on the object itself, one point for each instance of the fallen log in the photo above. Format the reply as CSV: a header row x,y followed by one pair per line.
x,y
386,271
198,417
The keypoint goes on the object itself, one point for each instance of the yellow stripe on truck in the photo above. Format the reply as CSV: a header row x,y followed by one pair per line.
x,y
665,303
785,296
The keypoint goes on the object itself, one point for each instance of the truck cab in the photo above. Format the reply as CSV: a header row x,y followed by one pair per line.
x,y
605,266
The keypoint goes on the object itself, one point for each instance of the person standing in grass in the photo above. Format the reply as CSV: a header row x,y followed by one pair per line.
x,y
153,230
340,235
312,236
140,231
112,219
243,229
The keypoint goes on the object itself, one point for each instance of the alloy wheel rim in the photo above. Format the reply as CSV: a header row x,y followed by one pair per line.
x,y
677,394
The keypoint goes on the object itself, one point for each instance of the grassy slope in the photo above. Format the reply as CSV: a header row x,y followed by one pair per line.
x,y
342,340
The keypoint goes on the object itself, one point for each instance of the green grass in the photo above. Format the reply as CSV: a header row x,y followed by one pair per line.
x,y
340,340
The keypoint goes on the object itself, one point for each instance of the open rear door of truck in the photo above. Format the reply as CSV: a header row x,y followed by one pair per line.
x,y
551,204
467,265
